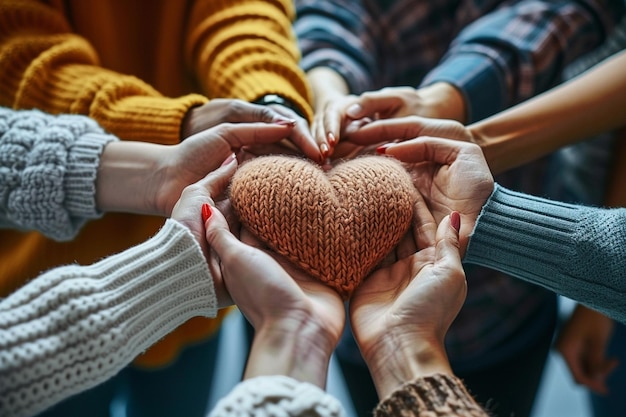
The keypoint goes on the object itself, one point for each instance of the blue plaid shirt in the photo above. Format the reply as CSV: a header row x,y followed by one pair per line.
x,y
497,53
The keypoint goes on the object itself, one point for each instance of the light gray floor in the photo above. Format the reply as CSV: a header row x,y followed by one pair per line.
x,y
559,396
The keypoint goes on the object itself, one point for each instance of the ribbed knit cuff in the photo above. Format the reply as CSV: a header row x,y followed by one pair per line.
x,y
476,77
523,235
436,395
76,326
277,395
79,181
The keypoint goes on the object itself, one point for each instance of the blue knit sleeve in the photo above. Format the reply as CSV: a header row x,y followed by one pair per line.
x,y
576,251
48,167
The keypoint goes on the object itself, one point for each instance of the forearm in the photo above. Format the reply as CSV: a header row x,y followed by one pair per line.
x,y
88,322
397,360
593,103
127,177
298,350
575,251
326,85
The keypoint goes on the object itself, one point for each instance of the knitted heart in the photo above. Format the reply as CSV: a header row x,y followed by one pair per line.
x,y
336,225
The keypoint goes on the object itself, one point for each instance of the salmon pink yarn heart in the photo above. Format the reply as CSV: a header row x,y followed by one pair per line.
x,y
336,225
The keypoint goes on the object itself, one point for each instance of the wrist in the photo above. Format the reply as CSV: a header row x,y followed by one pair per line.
x,y
443,101
326,85
275,99
128,177
298,348
396,360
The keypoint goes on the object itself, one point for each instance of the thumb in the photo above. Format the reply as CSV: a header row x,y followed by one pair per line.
x,y
217,233
217,181
448,247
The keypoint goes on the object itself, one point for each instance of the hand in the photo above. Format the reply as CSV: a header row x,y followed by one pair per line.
x,y
440,100
203,152
402,129
187,211
402,312
450,176
219,111
582,342
296,318
146,178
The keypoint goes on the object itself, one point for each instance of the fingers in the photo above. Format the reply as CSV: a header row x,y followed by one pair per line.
x,y
438,150
424,224
448,252
370,103
386,130
238,135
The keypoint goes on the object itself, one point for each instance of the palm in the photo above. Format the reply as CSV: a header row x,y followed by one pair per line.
x,y
286,288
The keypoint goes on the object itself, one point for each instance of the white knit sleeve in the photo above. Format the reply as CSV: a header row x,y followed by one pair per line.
x,y
76,326
277,396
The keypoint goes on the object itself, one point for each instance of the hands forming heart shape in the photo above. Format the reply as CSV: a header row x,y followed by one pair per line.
x,y
336,225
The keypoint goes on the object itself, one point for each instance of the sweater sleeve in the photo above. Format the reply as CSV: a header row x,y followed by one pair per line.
x,y
519,51
247,49
274,396
48,168
46,66
575,251
76,326
437,395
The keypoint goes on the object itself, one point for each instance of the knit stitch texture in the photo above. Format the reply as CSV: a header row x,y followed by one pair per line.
x,y
277,396
337,225
48,167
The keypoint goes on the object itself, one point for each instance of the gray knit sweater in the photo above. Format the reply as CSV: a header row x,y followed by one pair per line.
x,y
48,167
573,250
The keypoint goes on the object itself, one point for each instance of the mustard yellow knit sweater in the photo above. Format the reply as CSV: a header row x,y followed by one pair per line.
x,y
136,66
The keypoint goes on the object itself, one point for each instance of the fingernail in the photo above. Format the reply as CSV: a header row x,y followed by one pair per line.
x,y
354,111
286,122
206,212
331,138
382,149
228,160
324,150
455,220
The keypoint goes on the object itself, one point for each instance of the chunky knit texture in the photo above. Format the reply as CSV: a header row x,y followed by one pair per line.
x,y
277,396
437,395
76,326
338,225
48,167
572,250
135,67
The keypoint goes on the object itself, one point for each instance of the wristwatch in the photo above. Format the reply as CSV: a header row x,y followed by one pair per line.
x,y
270,99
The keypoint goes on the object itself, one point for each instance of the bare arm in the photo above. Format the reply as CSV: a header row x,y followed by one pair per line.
x,y
592,103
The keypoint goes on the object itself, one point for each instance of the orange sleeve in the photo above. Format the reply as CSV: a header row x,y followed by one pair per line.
x,y
246,49
45,65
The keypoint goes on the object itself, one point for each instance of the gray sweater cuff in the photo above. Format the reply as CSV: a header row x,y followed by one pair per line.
x,y
80,177
573,250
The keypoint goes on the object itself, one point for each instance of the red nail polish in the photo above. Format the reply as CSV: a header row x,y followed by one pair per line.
x,y
382,149
455,220
206,212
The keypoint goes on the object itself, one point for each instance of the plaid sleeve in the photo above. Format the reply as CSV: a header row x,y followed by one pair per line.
x,y
338,34
520,50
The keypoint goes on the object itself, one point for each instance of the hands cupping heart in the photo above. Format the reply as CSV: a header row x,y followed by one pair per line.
x,y
336,225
